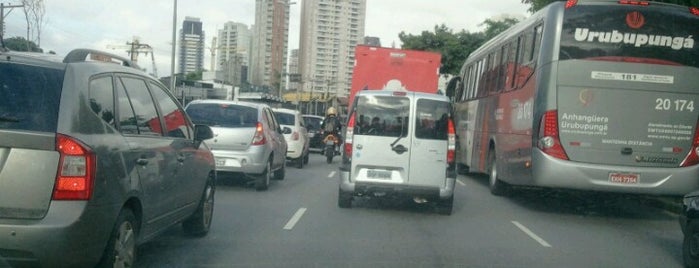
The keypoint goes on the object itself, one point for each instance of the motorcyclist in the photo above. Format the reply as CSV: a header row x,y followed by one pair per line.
x,y
331,124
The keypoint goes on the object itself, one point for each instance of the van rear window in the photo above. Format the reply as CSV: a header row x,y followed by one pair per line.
x,y
382,116
431,119
29,97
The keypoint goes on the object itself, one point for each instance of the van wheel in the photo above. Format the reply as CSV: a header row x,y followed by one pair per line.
x,y
262,182
497,187
344,199
690,245
299,162
200,222
121,247
444,207
280,173
305,158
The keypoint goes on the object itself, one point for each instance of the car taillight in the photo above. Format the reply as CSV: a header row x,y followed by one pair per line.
x,y
76,170
694,11
571,3
295,136
259,138
549,141
349,134
451,145
693,155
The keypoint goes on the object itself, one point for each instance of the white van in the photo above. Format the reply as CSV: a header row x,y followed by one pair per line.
x,y
399,143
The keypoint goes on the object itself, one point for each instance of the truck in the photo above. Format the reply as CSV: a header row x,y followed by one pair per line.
x,y
378,68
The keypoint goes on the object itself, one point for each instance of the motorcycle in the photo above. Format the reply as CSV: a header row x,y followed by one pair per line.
x,y
332,143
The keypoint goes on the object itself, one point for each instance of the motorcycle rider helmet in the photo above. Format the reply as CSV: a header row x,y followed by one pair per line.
x,y
331,111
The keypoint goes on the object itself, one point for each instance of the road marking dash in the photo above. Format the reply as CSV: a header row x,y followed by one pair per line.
x,y
531,234
294,219
332,174
460,182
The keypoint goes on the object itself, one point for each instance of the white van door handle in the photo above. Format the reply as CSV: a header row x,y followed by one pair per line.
x,y
400,149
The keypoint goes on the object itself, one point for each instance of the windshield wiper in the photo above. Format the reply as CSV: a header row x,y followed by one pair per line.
x,y
10,119
400,136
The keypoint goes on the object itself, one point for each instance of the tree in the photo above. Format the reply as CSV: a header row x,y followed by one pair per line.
x,y
34,12
194,76
20,44
493,27
536,5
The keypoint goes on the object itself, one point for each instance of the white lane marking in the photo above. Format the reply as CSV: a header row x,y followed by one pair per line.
x,y
294,219
531,234
332,174
460,182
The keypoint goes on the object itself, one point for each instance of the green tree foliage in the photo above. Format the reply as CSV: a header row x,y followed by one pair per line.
x,y
21,44
454,47
194,76
536,5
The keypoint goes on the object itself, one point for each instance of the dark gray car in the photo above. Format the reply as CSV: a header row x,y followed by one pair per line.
x,y
95,158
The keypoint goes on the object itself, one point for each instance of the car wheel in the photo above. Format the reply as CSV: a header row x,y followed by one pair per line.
x,y
461,169
280,173
299,162
497,187
305,158
344,199
121,247
200,222
262,182
690,245
444,207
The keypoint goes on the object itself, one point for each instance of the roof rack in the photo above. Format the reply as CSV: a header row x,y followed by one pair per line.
x,y
81,55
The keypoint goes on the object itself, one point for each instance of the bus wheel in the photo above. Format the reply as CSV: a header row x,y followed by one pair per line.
x,y
497,187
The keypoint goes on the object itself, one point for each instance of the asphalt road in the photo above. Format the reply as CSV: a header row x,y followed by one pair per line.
x,y
297,223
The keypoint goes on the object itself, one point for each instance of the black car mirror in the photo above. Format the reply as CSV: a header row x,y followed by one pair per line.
x,y
286,130
202,132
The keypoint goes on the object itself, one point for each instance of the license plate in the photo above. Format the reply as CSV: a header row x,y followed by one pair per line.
x,y
378,174
227,162
624,178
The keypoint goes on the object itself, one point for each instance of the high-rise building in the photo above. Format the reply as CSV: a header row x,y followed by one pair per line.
x,y
330,30
270,43
293,68
233,52
372,41
191,46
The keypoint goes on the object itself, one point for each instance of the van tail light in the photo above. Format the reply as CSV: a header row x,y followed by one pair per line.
x,y
549,141
76,170
295,136
451,145
693,156
259,138
349,134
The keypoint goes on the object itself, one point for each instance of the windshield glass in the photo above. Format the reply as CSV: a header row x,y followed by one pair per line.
x,y
223,115
383,116
29,97
626,33
285,118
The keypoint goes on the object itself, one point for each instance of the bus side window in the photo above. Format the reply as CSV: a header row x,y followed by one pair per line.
x,y
538,31
515,61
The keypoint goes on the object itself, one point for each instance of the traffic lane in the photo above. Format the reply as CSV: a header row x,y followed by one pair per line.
x,y
602,229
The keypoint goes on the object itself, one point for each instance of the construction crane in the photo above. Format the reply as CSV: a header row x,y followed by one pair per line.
x,y
134,48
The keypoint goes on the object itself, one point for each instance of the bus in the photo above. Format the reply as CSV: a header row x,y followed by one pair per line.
x,y
600,96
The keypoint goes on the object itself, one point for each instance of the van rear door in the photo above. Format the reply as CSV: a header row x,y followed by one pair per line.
x,y
428,151
381,140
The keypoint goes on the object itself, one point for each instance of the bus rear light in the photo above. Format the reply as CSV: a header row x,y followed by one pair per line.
x,y
693,155
349,133
75,176
259,138
635,3
571,3
549,141
694,11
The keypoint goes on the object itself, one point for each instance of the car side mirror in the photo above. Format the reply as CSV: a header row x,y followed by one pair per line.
x,y
286,130
202,132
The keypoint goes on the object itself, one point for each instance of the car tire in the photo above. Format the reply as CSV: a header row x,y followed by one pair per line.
x,y
690,245
444,207
122,245
280,173
497,187
299,162
200,222
262,181
461,169
305,158
344,199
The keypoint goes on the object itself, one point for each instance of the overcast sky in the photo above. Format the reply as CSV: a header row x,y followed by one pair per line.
x,y
98,23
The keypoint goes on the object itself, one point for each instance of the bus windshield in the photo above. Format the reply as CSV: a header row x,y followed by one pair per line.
x,y
626,33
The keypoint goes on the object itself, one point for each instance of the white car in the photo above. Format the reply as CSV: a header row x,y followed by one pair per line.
x,y
297,140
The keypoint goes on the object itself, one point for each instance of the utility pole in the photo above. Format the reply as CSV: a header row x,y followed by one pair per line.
x,y
3,15
136,47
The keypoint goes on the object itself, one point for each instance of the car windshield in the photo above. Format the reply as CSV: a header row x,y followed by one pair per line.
x,y
29,97
285,118
222,115
312,123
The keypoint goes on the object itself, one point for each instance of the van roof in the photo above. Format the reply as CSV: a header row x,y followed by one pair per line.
x,y
394,92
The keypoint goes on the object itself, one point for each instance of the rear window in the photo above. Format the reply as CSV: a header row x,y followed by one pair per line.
x,y
656,34
382,116
285,118
312,123
431,119
29,97
222,115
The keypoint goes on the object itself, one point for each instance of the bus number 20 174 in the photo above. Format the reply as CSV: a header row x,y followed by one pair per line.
x,y
676,105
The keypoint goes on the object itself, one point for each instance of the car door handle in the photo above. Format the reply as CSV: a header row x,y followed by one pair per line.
x,y
400,149
142,161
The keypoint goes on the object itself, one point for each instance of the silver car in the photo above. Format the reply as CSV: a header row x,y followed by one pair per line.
x,y
399,143
96,158
247,138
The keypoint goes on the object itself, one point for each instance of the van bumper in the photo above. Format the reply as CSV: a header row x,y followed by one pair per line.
x,y
358,188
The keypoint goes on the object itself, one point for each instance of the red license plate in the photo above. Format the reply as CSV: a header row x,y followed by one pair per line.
x,y
623,178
